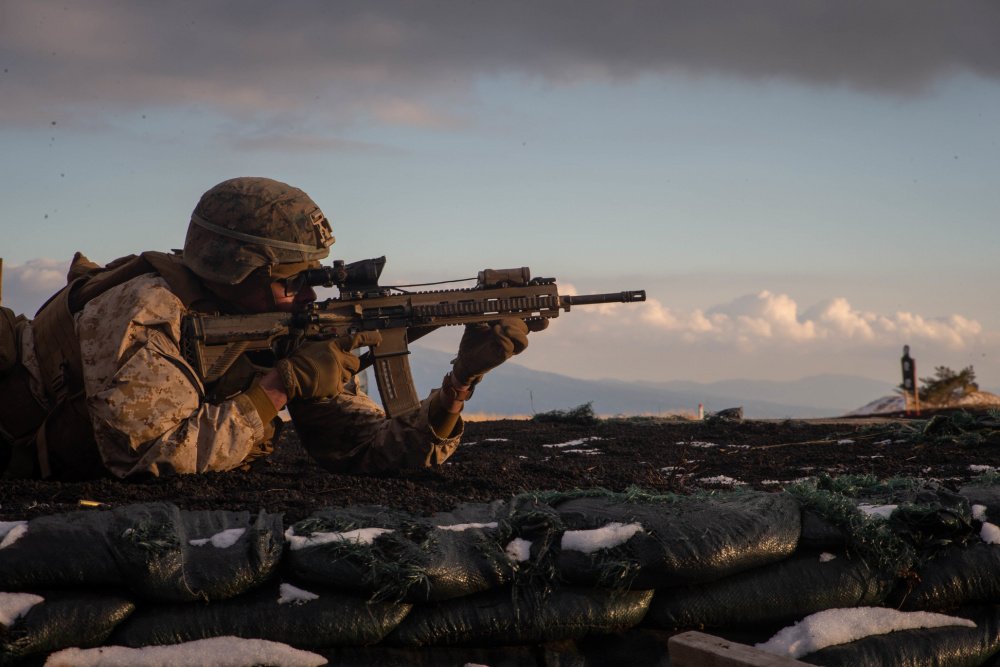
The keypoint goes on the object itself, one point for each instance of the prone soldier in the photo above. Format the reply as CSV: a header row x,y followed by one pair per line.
x,y
98,381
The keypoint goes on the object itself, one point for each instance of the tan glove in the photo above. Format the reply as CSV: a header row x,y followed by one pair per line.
x,y
320,369
486,346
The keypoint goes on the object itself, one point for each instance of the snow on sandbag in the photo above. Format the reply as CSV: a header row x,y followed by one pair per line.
x,y
778,593
955,576
947,646
437,656
218,652
521,616
33,624
154,549
170,554
644,541
305,618
392,555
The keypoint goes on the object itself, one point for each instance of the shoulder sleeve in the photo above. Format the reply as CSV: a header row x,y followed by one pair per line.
x,y
145,401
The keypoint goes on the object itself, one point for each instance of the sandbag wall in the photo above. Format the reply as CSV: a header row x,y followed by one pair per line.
x,y
506,578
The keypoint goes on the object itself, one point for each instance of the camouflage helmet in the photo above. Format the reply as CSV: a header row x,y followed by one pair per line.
x,y
247,223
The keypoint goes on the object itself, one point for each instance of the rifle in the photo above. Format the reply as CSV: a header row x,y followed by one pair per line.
x,y
212,343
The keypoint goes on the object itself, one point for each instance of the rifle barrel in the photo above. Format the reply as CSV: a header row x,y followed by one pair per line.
x,y
610,297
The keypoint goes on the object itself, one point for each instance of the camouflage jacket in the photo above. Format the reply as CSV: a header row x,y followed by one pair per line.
x,y
150,415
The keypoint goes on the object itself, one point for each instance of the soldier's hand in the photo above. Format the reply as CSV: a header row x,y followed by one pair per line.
x,y
486,346
320,369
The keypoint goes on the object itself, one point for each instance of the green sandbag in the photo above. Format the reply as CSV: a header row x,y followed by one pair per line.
x,y
774,594
411,559
521,616
941,647
62,620
329,619
683,540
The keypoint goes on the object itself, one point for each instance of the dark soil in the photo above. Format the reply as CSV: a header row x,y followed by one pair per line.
x,y
499,459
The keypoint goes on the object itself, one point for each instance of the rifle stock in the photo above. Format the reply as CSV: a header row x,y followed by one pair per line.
x,y
212,343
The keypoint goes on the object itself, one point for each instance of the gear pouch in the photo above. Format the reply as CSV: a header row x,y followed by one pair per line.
x,y
8,338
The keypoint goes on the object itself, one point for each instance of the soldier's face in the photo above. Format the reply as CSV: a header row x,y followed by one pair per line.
x,y
290,302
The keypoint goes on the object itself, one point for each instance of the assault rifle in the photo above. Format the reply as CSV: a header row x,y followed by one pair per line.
x,y
212,343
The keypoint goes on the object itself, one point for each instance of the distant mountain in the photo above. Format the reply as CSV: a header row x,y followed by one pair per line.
x,y
895,403
513,389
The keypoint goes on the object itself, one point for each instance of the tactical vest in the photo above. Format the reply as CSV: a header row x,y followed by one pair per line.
x,y
58,440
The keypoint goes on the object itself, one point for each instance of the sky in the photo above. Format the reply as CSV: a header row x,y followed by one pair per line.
x,y
801,187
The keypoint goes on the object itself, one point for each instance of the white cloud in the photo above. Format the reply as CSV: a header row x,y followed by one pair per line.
x,y
768,318
26,286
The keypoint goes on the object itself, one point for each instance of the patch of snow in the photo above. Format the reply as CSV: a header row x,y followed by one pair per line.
x,y
574,443
589,541
288,594
697,443
882,511
217,651
11,531
458,527
826,557
518,550
360,536
884,442
723,480
845,442
839,626
221,540
496,439
990,533
982,468
979,512
770,482
15,605
583,451
894,403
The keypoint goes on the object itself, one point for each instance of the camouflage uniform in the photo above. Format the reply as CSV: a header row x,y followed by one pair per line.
x,y
108,388
149,415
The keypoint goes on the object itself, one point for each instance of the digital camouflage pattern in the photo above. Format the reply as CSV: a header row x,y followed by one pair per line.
x,y
246,223
150,415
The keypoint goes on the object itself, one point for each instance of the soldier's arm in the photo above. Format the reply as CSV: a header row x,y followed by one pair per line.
x,y
146,402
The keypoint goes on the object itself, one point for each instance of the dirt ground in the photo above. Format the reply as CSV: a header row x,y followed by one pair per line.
x,y
499,459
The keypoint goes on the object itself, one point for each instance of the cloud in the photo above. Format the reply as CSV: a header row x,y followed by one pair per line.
x,y
767,319
27,286
418,62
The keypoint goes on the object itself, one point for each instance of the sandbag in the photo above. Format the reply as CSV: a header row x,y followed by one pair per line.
x,y
521,616
62,620
155,549
402,557
435,656
941,647
774,594
681,540
303,618
956,576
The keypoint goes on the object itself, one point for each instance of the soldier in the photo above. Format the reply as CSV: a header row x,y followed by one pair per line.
x,y
98,381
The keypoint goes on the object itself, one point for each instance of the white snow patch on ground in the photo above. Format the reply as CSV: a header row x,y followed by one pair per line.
x,y
458,527
839,626
288,594
15,605
518,550
722,480
582,451
826,557
11,531
217,651
882,511
697,443
982,468
574,443
990,533
589,541
845,442
360,536
221,540
979,512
